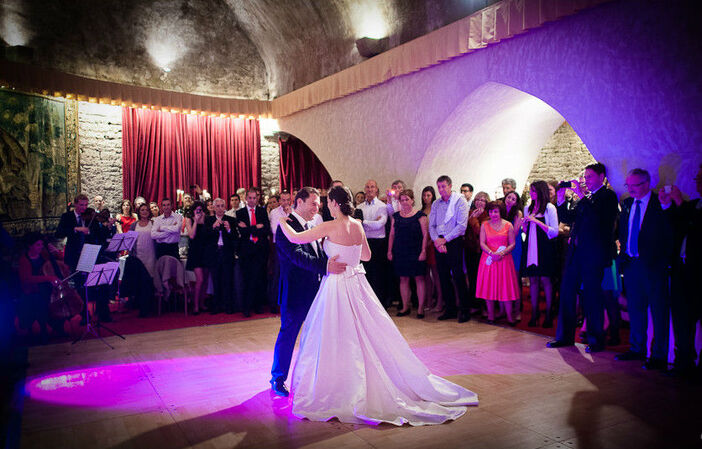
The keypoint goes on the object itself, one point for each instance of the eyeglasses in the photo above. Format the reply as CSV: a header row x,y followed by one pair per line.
x,y
635,185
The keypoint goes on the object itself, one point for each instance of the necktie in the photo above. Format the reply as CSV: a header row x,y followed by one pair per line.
x,y
315,245
253,223
634,232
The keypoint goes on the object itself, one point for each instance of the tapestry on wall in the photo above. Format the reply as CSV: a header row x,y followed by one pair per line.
x,y
33,161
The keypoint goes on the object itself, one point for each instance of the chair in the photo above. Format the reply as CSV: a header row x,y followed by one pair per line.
x,y
171,274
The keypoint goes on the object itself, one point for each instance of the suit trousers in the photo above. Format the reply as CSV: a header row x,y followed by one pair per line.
x,y
686,310
581,272
376,269
647,288
450,267
221,270
167,249
291,319
254,270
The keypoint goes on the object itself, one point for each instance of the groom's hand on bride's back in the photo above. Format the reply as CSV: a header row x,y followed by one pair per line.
x,y
335,267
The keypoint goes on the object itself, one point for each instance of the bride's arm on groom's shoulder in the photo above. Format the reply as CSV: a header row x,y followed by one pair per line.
x,y
308,236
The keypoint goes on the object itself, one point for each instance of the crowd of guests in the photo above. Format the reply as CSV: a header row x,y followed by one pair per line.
x,y
458,254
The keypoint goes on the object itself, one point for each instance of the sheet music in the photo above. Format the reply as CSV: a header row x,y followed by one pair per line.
x,y
102,274
122,242
88,256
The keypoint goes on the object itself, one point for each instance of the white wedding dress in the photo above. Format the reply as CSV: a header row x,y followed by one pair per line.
x,y
353,363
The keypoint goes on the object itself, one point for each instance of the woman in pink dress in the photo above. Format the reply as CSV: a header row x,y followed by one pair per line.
x,y
497,279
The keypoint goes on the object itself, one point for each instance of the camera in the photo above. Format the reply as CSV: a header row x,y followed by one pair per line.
x,y
565,185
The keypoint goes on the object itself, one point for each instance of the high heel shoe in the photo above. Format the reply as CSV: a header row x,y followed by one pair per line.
x,y
405,313
420,316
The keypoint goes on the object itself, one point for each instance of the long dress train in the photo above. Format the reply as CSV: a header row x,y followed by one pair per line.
x,y
353,363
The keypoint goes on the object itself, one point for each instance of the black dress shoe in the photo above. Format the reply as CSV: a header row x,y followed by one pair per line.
x,y
420,316
655,364
447,316
463,317
405,313
533,322
279,388
630,355
558,344
594,348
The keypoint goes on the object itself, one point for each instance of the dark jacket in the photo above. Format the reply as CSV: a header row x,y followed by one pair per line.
x,y
75,240
687,221
655,236
247,245
592,235
230,239
301,268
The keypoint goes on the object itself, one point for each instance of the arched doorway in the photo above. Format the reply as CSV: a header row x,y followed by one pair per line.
x,y
299,166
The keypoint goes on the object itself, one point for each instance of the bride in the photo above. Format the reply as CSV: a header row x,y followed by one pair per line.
x,y
353,363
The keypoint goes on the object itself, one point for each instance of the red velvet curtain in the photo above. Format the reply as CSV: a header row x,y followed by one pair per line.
x,y
163,151
300,167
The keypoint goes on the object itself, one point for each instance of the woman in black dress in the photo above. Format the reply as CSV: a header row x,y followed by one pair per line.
x,y
407,249
197,255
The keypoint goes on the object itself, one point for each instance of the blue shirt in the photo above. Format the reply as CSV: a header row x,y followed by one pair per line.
x,y
456,225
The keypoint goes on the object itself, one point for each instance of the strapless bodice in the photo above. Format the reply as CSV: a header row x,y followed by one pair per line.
x,y
348,254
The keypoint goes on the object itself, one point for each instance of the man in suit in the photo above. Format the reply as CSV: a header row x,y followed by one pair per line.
x,y
72,227
255,231
591,250
222,240
301,270
686,300
646,239
324,208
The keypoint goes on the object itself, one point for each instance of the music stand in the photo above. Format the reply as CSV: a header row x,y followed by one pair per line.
x,y
102,274
122,242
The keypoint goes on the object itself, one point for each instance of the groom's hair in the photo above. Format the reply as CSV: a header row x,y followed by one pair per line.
x,y
305,193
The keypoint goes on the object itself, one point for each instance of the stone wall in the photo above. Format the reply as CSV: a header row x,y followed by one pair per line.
x,y
100,146
270,164
563,157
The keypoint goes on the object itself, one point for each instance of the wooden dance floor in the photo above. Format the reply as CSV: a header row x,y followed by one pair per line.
x,y
207,387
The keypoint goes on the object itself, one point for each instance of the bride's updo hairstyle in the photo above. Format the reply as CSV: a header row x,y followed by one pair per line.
x,y
342,196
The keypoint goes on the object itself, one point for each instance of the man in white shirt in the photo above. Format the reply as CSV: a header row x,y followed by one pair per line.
x,y
467,192
234,205
281,211
166,230
375,216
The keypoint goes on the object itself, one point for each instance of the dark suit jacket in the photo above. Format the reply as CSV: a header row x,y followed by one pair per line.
x,y
687,220
300,269
592,235
655,235
247,246
75,240
230,239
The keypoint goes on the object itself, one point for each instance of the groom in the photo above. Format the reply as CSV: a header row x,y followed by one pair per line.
x,y
301,270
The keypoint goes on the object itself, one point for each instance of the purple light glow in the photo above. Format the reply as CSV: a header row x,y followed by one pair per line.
x,y
142,386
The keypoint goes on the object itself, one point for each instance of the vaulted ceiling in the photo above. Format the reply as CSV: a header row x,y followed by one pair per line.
x,y
258,49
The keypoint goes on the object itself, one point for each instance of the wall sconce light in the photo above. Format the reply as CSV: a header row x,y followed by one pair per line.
x,y
369,47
